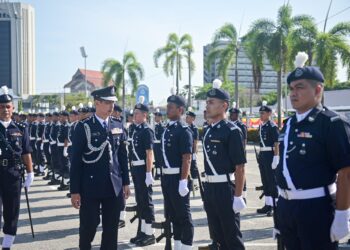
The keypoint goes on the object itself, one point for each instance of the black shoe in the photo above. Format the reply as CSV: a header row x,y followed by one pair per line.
x,y
139,236
54,182
39,174
269,213
47,177
121,224
68,195
264,210
63,188
348,242
146,240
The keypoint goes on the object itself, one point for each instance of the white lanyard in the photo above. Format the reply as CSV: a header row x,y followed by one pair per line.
x,y
286,173
261,139
133,146
206,154
163,149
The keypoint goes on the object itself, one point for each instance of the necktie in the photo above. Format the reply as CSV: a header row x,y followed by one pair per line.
x,y
105,125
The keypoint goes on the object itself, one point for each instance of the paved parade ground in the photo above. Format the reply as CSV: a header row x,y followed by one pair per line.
x,y
56,222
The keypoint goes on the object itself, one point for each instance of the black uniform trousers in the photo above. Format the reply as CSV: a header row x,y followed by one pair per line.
x,y
90,219
267,175
55,159
178,209
224,223
64,163
40,154
34,154
157,149
143,194
47,154
305,224
10,195
194,169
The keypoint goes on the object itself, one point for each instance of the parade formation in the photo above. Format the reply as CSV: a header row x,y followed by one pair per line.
x,y
93,155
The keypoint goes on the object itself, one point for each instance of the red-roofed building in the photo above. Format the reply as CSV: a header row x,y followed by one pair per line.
x,y
94,81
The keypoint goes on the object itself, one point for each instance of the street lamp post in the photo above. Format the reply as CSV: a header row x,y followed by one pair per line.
x,y
84,55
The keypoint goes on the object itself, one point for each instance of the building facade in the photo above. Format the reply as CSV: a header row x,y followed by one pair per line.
x,y
245,75
17,47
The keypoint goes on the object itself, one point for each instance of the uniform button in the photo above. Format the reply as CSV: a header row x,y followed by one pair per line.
x,y
303,144
291,143
287,156
91,177
296,130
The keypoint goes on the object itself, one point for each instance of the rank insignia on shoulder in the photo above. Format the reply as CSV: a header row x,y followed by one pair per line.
x,y
115,131
304,135
335,118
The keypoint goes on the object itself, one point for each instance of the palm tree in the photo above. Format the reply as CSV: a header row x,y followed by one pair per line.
x,y
329,45
225,48
116,71
174,51
277,50
188,48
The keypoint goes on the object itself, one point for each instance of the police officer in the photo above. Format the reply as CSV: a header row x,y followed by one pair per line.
x,y
142,162
32,137
55,160
177,146
46,145
157,149
234,118
117,112
224,163
62,148
99,172
14,148
268,155
190,118
40,155
314,169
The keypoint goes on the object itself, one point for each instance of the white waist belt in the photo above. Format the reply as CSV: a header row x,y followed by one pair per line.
x,y
52,142
69,144
219,178
264,149
307,193
171,170
32,138
156,141
60,144
138,163
45,141
39,139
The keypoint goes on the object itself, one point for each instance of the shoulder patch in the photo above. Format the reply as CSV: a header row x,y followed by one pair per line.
x,y
335,118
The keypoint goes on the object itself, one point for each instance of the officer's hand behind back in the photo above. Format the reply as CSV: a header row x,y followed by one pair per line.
x,y
75,200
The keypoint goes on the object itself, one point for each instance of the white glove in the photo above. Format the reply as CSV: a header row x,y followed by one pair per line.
x,y
29,180
276,160
340,226
65,151
275,232
183,189
42,146
194,157
238,204
149,179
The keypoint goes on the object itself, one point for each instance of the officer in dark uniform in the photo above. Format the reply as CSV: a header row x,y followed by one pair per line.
x,y
177,146
224,159
32,137
99,176
46,145
55,160
314,169
40,155
268,155
157,149
62,148
142,163
190,118
117,112
14,148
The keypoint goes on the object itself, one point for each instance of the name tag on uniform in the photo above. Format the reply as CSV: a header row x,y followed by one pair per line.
x,y
215,141
115,131
304,135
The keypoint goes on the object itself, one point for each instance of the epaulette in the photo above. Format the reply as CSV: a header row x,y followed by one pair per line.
x,y
273,124
232,126
333,116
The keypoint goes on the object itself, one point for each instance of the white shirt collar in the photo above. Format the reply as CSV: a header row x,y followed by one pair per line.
x,y
101,120
214,124
172,123
302,116
5,124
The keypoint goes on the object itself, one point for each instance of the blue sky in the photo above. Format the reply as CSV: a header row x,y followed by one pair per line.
x,y
109,27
